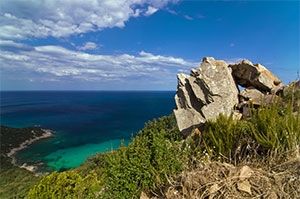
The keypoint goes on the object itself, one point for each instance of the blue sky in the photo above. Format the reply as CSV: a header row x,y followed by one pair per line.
x,y
139,44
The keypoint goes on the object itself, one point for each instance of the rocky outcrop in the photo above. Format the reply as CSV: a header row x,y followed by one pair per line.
x,y
207,92
212,89
248,74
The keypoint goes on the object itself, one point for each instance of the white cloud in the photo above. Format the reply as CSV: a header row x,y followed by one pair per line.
x,y
88,46
151,10
57,63
21,19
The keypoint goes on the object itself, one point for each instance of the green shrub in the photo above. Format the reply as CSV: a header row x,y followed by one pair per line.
x,y
222,137
276,128
273,129
146,163
63,185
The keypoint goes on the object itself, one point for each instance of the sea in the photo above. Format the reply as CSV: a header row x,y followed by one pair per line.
x,y
84,122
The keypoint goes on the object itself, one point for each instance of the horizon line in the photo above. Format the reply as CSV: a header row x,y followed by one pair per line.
x,y
89,90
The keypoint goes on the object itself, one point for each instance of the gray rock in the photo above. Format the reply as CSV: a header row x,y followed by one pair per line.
x,y
252,94
208,92
248,74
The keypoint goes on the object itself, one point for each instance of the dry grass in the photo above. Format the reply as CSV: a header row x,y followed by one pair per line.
x,y
223,180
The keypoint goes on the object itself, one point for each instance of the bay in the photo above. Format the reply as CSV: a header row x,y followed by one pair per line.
x,y
84,122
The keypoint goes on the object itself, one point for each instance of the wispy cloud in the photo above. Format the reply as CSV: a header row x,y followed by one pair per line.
x,y
88,46
25,19
151,10
185,16
188,17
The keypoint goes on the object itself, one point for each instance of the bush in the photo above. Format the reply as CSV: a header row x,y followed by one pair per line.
x,y
273,129
146,163
68,184
276,129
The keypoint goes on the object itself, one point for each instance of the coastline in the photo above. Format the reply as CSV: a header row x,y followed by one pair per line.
x,y
11,154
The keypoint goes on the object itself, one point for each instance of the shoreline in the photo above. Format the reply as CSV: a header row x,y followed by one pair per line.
x,y
11,154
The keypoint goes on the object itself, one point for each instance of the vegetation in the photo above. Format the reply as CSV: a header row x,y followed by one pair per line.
x,y
15,182
146,163
271,130
69,185
13,137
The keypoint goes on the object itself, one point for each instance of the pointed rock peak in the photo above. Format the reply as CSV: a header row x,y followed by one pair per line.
x,y
246,61
208,59
181,78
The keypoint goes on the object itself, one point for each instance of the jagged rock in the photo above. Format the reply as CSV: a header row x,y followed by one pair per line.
x,y
261,100
251,94
209,91
186,113
270,99
248,74
246,110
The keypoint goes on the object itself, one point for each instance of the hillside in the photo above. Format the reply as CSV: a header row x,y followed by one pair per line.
x,y
15,181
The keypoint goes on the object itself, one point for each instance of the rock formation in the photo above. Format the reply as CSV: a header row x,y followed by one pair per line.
x,y
247,75
209,91
212,89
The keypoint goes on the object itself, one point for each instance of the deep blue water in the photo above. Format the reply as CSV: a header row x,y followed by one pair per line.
x,y
85,122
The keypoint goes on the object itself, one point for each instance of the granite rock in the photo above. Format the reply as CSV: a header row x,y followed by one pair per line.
x,y
203,95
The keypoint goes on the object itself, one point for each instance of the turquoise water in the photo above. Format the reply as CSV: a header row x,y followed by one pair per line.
x,y
85,122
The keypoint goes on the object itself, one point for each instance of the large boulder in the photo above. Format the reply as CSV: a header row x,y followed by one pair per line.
x,y
248,74
207,92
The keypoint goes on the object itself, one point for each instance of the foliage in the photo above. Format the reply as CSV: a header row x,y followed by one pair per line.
x,y
13,137
276,129
15,182
272,129
68,184
146,163
291,95
223,137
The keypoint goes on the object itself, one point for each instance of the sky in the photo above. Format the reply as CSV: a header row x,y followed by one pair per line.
x,y
139,44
